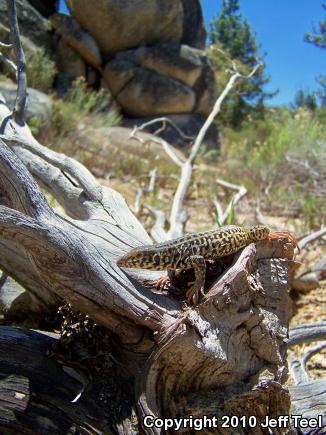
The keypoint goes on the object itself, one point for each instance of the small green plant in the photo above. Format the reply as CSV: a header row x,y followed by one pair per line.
x,y
84,99
282,155
217,221
207,154
35,124
82,105
40,70
229,219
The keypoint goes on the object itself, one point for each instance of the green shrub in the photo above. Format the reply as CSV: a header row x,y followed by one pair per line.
x,y
84,99
83,105
283,154
40,69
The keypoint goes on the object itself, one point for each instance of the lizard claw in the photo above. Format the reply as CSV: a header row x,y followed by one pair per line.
x,y
192,294
162,282
284,234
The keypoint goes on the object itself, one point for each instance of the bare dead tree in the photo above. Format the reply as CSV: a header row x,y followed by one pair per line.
x,y
178,215
19,108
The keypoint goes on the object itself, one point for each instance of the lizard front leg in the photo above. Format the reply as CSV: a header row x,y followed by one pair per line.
x,y
196,262
161,282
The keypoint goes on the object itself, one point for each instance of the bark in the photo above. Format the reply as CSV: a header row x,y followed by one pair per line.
x,y
308,397
227,355
309,400
37,392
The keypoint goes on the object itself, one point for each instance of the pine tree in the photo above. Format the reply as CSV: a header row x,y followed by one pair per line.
x,y
318,38
231,37
305,100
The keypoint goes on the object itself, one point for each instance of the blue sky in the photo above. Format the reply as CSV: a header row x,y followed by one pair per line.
x,y
279,26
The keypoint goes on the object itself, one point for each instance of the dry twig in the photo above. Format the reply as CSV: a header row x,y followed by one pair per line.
x,y
19,108
141,190
311,238
241,192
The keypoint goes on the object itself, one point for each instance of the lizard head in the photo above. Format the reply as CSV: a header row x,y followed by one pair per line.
x,y
261,232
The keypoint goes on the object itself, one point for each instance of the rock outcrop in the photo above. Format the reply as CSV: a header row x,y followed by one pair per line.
x,y
194,33
32,24
45,7
38,106
152,56
117,25
74,36
162,79
148,53
70,66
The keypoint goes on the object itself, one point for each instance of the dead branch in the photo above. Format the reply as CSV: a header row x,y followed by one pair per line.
x,y
157,231
318,269
309,401
141,190
310,279
37,389
21,137
164,144
311,238
298,365
311,352
8,63
6,46
163,120
76,259
19,108
176,215
241,192
307,397
311,171
307,333
298,372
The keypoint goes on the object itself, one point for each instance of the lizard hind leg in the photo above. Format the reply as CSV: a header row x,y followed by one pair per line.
x,y
197,262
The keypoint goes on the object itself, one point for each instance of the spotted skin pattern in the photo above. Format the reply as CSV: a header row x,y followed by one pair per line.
x,y
191,251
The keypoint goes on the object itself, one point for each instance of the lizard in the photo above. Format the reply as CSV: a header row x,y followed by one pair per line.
x,y
193,250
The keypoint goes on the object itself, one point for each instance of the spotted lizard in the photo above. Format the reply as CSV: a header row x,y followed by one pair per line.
x,y
193,250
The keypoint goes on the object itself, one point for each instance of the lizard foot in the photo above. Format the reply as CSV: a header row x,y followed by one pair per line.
x,y
275,235
192,294
162,282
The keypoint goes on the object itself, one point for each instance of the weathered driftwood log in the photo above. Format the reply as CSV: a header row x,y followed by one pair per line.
x,y
227,355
